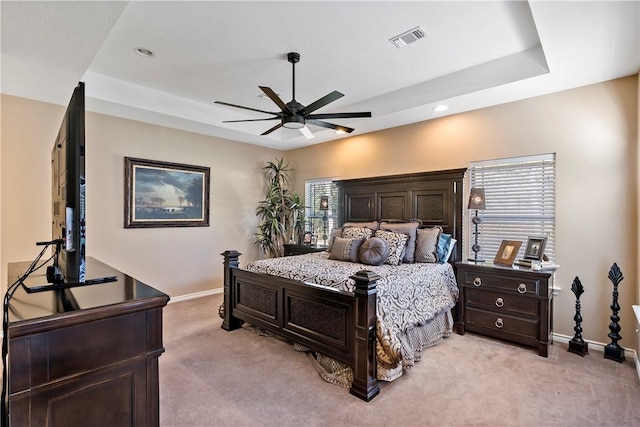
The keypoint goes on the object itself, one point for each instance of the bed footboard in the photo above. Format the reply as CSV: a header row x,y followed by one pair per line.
x,y
336,323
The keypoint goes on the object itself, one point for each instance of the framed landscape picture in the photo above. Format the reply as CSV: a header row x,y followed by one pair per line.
x,y
162,194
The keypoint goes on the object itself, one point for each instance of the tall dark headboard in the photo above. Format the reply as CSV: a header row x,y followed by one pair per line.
x,y
433,197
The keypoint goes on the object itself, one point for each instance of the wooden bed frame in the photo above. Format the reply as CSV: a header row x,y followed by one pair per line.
x,y
336,323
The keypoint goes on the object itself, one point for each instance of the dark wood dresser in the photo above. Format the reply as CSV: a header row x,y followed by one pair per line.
x,y
293,249
509,303
84,356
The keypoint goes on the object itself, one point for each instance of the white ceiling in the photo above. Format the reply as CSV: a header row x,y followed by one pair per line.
x,y
477,54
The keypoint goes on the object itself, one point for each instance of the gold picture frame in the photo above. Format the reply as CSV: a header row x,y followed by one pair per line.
x,y
508,252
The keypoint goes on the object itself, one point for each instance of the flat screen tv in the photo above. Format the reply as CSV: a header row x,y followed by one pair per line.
x,y
68,193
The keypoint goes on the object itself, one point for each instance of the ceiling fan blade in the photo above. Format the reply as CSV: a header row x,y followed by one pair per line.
x,y
330,125
275,98
321,102
279,125
250,120
279,114
307,132
339,115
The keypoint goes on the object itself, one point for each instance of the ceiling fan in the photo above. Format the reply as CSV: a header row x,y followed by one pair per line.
x,y
294,115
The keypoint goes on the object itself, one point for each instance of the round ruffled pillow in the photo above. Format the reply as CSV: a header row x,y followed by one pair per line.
x,y
374,251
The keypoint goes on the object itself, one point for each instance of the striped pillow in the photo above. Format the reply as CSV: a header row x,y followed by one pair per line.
x,y
345,249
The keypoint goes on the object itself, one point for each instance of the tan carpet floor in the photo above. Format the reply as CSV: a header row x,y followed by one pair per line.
x,y
210,377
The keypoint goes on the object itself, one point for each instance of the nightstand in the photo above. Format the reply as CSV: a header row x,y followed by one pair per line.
x,y
509,303
293,249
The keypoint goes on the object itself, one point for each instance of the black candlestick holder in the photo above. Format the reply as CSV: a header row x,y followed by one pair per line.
x,y
577,345
613,350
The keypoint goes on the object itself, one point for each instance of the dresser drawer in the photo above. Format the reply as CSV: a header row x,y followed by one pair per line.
x,y
500,302
518,285
503,325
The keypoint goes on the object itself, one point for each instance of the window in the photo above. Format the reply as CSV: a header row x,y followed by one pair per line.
x,y
520,196
314,190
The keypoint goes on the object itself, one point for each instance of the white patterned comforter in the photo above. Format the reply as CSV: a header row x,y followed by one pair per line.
x,y
409,295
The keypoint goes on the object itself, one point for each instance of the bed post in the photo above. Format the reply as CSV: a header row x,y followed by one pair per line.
x,y
230,262
365,384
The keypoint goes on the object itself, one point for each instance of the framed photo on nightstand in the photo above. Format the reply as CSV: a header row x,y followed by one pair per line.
x,y
535,248
307,238
507,253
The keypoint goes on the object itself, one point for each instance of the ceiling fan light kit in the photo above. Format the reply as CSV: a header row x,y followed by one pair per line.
x,y
294,115
293,122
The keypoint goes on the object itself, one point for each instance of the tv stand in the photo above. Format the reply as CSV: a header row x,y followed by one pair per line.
x,y
58,285
86,355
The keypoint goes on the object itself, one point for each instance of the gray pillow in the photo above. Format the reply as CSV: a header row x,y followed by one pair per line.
x,y
408,228
427,244
345,249
336,232
373,251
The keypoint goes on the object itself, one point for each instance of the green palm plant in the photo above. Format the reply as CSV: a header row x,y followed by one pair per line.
x,y
281,213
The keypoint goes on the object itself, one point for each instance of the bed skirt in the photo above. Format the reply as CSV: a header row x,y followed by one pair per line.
x,y
415,341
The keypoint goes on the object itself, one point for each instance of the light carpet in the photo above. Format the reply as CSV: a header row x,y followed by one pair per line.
x,y
211,377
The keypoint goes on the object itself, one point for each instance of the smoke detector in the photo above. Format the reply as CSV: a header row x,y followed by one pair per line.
x,y
408,37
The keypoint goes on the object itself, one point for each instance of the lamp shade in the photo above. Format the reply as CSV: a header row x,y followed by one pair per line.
x,y
324,203
476,199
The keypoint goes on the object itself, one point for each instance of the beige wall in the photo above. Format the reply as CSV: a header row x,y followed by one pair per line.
x,y
637,301
592,130
179,261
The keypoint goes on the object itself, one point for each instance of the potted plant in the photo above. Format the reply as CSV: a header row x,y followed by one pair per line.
x,y
281,212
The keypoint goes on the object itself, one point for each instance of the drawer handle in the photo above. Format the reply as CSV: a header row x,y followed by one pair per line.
x,y
477,281
499,323
522,288
499,302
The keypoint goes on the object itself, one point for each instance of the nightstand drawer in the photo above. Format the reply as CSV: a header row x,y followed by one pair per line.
x,y
500,302
519,285
503,325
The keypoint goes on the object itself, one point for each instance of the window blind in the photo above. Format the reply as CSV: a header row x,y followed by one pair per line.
x,y
520,196
314,190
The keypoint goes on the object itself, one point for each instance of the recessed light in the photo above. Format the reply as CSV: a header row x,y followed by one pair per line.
x,y
143,52
439,108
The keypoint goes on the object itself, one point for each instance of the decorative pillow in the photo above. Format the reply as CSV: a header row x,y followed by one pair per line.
x,y
354,232
451,246
443,247
373,251
396,243
373,225
427,244
345,249
408,228
336,232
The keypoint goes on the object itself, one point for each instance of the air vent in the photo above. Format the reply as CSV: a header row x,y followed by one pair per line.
x,y
409,37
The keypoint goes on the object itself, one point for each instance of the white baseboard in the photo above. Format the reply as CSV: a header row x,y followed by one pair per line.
x,y
598,346
196,295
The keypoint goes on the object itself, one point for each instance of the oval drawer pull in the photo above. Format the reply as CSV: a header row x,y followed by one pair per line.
x,y
522,288
499,323
477,281
499,302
